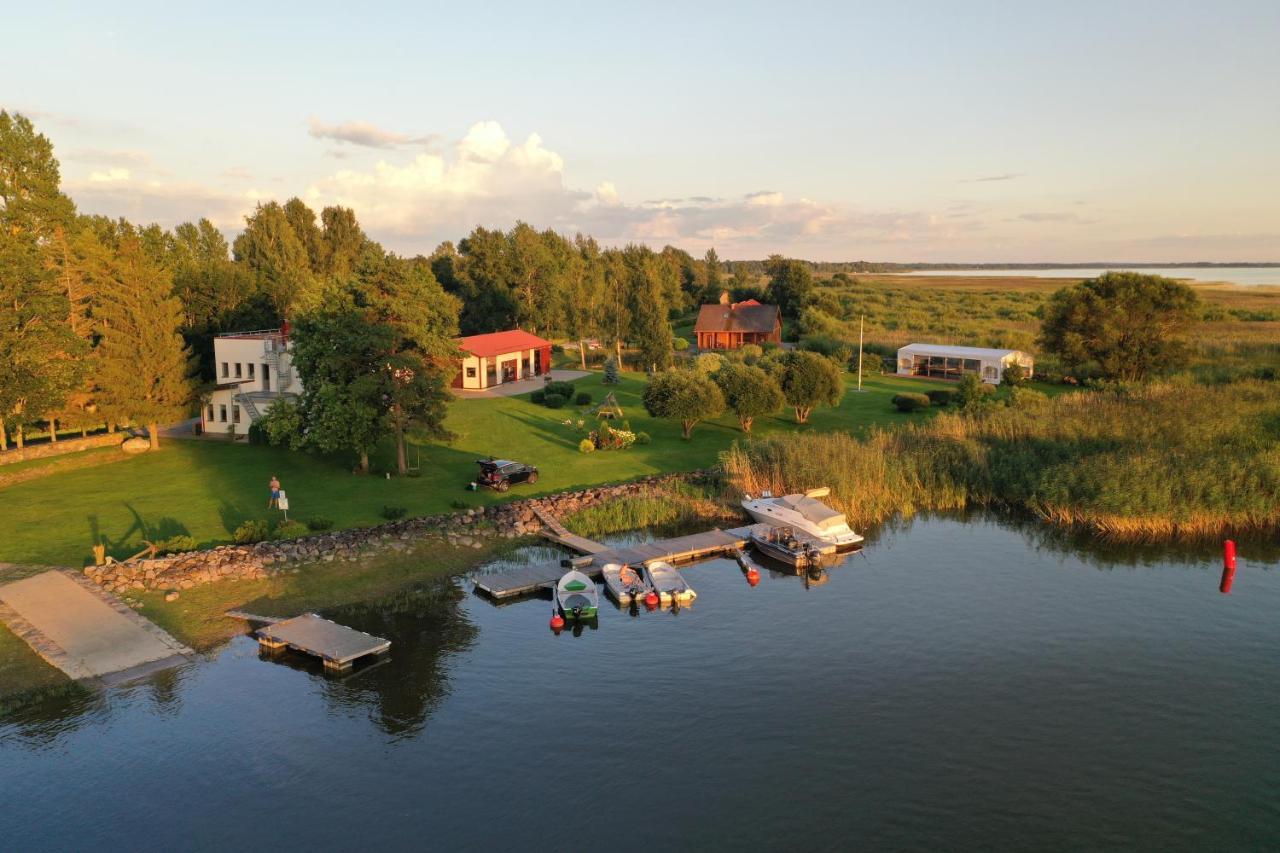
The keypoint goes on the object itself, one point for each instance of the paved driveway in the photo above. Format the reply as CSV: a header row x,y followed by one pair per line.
x,y
524,386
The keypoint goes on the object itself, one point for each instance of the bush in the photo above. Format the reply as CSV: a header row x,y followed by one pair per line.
x,y
289,530
176,545
1014,374
583,398
942,397
257,435
680,344
538,397
750,352
910,402
973,392
564,389
250,532
610,372
586,446
1027,398
319,523
708,362
391,513
553,401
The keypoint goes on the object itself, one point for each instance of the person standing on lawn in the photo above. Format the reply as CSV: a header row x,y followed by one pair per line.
x,y
275,493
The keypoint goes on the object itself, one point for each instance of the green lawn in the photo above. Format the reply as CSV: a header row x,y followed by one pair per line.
x,y
206,489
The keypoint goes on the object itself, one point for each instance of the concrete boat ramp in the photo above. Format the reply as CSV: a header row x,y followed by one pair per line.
x,y
526,580
84,630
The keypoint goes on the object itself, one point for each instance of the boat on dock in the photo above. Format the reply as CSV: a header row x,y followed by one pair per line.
x,y
624,583
577,597
787,545
806,513
668,583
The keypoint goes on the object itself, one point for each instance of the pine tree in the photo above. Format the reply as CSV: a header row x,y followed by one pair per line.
x,y
144,367
610,372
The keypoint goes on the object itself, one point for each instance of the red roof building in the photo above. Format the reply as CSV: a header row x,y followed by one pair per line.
x,y
499,357
729,325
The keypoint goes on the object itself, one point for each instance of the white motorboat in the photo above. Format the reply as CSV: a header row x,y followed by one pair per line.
x,y
668,583
804,513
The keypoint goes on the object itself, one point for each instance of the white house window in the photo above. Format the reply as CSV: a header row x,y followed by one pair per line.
x,y
471,373
222,413
235,414
237,370
211,413
251,370
225,372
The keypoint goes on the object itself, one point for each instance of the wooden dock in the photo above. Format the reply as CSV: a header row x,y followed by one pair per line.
x,y
525,580
555,531
337,645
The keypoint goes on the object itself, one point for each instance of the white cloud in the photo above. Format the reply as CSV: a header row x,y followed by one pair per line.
x,y
116,174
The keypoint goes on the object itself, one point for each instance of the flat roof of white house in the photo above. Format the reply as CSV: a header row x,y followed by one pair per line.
x,y
971,352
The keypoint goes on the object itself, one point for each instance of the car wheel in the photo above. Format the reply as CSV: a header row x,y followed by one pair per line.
x,y
503,486
533,477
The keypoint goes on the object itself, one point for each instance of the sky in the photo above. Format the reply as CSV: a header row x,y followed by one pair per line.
x,y
912,131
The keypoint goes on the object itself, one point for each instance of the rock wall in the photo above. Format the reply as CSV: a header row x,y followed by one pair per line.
x,y
467,528
58,448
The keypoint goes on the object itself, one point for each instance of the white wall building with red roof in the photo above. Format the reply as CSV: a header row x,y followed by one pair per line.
x,y
500,357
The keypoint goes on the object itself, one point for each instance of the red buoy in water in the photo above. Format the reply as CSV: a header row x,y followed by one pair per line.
x,y
753,577
651,600
1228,566
557,622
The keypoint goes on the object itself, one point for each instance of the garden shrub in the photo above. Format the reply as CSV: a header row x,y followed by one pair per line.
x,y
680,344
643,438
973,392
391,513
1014,375
176,544
553,401
257,435
910,402
289,530
538,397
750,352
586,446
942,396
564,389
319,523
583,398
251,531
708,362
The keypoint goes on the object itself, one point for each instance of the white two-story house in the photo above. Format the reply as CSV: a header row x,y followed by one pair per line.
x,y
253,370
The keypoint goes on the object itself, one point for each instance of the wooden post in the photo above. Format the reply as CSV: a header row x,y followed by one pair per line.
x,y
53,430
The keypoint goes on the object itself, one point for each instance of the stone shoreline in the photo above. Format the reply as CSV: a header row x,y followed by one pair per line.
x,y
466,528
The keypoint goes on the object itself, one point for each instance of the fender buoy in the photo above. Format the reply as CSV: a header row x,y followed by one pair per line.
x,y
1228,566
651,600
557,622
753,577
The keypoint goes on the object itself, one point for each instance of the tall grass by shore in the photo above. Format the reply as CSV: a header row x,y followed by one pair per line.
x,y
1165,461
671,504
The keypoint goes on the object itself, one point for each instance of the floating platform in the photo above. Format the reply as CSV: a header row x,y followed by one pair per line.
x,y
526,580
337,645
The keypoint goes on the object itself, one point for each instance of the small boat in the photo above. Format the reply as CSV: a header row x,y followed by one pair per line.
x,y
789,546
668,583
624,583
805,513
576,596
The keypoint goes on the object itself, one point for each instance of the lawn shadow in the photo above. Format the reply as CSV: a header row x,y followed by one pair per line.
x,y
556,433
140,530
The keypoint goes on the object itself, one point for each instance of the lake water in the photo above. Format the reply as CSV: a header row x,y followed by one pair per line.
x,y
961,684
1234,275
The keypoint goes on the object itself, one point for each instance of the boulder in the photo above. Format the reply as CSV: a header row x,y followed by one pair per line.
x,y
136,444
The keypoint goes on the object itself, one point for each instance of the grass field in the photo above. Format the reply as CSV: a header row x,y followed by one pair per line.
x,y
206,489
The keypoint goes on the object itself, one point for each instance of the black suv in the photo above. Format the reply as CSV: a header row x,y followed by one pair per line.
x,y
499,474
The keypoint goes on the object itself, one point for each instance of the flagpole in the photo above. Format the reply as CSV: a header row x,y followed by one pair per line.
x,y
860,319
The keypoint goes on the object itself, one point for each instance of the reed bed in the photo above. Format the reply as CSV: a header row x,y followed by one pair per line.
x,y
1170,460
672,504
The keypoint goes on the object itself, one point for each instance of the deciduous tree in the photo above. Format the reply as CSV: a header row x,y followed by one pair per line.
x,y
683,395
749,392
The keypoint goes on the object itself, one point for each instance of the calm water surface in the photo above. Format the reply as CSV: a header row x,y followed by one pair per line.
x,y
1234,275
964,684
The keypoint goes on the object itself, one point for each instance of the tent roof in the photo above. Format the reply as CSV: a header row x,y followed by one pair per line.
x,y
962,352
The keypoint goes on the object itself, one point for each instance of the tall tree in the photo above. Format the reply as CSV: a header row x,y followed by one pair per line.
x,y
342,241
1122,325
686,396
38,349
790,284
482,281
749,392
303,221
144,365
807,380
714,282
278,259
647,304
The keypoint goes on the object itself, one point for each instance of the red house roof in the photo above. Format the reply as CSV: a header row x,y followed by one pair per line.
x,y
501,343
742,317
